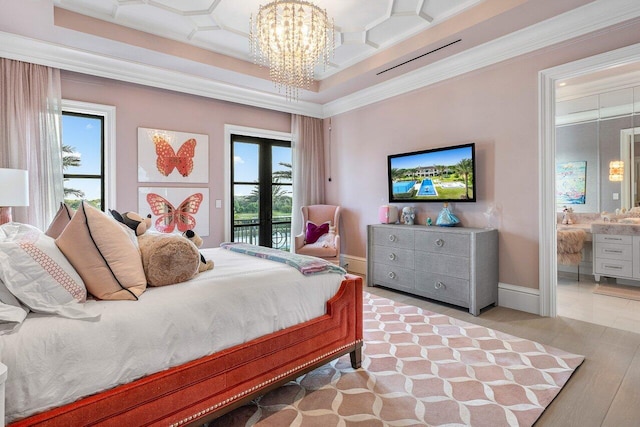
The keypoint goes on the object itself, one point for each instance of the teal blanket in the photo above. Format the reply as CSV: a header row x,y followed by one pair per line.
x,y
305,264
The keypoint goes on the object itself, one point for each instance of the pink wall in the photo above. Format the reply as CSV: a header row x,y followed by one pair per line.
x,y
496,107
141,106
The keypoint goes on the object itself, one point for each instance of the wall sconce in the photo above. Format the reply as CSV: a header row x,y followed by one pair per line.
x,y
616,170
14,191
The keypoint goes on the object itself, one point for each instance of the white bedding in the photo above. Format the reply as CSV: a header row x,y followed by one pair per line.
x,y
53,360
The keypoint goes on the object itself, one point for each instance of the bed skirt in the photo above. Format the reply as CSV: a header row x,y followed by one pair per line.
x,y
206,388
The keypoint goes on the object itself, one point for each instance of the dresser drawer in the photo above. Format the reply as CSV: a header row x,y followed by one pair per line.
x,y
443,243
613,238
614,251
443,288
393,256
447,265
394,277
394,237
613,267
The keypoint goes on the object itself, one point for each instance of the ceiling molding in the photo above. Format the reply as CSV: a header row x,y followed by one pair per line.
x,y
38,52
591,17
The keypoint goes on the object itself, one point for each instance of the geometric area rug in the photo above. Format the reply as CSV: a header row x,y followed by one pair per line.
x,y
419,368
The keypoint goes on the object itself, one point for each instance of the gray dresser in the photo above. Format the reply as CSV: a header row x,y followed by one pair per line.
x,y
456,265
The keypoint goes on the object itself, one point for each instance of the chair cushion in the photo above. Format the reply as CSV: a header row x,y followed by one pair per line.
x,y
315,231
320,252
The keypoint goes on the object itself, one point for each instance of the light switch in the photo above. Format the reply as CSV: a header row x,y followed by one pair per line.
x,y
218,203
616,196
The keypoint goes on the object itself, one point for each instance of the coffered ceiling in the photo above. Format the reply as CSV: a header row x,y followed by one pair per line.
x,y
362,27
383,47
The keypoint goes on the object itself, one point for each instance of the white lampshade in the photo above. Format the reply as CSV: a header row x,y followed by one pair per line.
x,y
14,187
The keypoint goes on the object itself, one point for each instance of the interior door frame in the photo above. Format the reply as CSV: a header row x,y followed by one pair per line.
x,y
547,79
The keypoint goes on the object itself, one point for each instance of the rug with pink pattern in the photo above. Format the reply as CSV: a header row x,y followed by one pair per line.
x,y
420,368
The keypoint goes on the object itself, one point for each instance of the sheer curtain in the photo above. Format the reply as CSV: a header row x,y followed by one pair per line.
x,y
308,166
30,135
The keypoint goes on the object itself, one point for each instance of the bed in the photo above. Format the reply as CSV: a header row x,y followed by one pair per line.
x,y
187,368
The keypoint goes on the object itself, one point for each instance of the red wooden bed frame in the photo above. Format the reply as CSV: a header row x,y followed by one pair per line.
x,y
206,388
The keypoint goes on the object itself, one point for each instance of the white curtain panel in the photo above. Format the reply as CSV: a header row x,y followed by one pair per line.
x,y
308,167
30,135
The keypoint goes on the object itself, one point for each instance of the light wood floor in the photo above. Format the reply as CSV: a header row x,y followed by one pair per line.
x,y
576,300
604,390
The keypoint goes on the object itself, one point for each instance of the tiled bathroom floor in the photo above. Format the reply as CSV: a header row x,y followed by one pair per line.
x,y
576,300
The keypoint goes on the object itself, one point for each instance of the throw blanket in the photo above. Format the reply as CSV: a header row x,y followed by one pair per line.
x,y
305,264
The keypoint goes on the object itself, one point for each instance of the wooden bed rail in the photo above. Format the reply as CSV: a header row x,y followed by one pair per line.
x,y
209,387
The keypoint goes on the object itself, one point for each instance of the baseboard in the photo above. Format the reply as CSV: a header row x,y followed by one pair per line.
x,y
354,264
519,298
509,296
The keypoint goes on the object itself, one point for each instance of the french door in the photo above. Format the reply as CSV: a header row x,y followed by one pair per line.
x,y
261,191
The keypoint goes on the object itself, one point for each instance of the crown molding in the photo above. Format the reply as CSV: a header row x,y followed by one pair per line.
x,y
26,49
591,17
586,19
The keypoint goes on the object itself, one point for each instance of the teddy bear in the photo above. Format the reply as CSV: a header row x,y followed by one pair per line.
x,y
197,240
133,221
166,258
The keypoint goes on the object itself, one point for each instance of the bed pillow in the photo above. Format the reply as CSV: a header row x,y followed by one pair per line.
x,y
104,253
315,231
60,221
12,313
35,271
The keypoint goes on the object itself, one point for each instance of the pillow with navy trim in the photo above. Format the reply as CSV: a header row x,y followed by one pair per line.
x,y
104,253
60,221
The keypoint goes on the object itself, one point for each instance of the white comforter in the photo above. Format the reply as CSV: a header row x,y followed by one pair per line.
x,y
53,360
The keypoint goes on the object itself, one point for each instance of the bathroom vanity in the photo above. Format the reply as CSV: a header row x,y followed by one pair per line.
x,y
616,250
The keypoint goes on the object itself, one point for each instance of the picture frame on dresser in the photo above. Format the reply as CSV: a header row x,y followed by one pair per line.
x,y
456,265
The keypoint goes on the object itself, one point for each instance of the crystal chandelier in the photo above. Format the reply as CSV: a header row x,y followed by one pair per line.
x,y
291,38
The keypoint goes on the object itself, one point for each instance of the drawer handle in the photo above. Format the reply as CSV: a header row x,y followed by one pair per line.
x,y
613,267
439,243
439,285
612,251
392,238
392,256
616,239
392,275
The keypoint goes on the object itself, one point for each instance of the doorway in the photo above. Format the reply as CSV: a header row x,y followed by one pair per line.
x,y
547,149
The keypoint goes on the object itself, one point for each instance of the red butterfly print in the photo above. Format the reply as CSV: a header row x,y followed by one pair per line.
x,y
169,216
168,159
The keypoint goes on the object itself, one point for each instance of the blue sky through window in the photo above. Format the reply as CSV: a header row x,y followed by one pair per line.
x,y
84,135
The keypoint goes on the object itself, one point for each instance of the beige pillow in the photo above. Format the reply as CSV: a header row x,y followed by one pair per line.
x,y
104,253
60,221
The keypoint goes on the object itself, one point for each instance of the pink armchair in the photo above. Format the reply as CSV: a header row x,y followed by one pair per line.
x,y
327,246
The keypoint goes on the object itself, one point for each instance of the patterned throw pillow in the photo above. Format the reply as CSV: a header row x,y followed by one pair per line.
x,y
35,271
315,231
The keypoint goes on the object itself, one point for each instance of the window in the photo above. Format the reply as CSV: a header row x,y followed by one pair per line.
x,y
88,154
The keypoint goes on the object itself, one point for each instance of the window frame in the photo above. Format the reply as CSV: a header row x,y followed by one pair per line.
x,y
248,132
108,114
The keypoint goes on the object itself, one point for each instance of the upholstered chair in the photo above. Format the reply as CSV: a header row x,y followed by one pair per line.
x,y
313,240
570,243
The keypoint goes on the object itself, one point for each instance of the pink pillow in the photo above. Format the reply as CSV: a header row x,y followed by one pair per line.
x,y
315,231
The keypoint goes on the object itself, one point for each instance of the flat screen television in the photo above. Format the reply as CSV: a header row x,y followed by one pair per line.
x,y
446,174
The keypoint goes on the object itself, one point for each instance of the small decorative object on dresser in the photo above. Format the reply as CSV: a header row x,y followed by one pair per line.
x,y
446,218
408,215
454,265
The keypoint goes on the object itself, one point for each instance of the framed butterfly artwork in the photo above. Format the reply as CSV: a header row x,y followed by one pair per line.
x,y
168,156
175,209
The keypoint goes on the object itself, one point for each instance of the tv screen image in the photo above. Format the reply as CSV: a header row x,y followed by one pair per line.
x,y
446,174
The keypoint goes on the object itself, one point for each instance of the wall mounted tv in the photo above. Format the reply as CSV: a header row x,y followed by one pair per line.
x,y
446,174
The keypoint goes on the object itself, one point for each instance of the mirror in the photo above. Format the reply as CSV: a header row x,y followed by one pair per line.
x,y
597,122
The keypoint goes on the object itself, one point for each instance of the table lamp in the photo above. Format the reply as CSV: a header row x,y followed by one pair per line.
x,y
14,191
